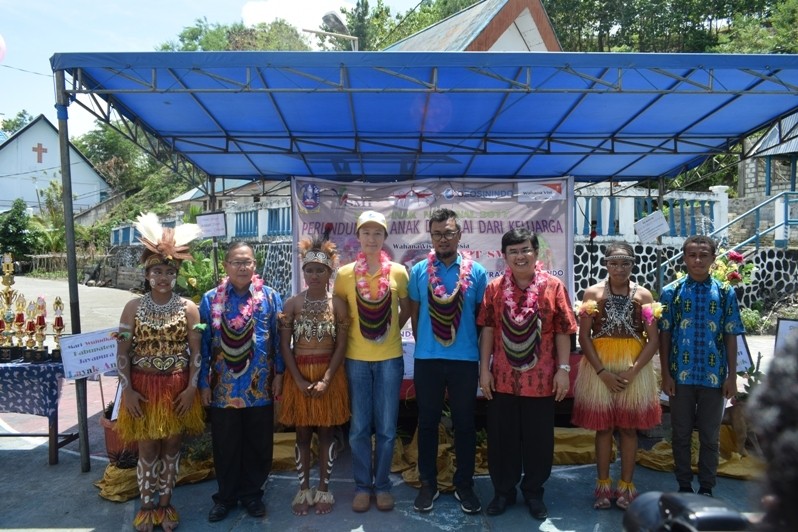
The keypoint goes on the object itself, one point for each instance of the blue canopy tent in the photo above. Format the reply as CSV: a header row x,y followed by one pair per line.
x,y
386,116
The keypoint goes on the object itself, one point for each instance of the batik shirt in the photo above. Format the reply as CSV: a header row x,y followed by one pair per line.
x,y
698,315
253,386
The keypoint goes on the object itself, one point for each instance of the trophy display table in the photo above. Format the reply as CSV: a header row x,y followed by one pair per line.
x,y
34,389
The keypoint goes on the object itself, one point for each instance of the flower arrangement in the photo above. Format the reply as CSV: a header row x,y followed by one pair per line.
x,y
586,308
651,312
730,269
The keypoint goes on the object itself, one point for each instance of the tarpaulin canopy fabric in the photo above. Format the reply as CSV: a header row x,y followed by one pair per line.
x,y
387,116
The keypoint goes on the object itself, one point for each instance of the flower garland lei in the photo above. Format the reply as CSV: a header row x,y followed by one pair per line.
x,y
362,270
245,311
438,290
530,304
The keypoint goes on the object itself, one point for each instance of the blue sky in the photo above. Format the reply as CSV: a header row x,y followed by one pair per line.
x,y
34,30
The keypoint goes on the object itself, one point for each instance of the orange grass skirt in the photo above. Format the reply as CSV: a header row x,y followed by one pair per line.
x,y
160,420
329,410
597,408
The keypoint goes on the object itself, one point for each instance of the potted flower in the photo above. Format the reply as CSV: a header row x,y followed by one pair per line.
x,y
119,454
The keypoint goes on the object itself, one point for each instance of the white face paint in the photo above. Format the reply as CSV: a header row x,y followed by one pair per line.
x,y
162,278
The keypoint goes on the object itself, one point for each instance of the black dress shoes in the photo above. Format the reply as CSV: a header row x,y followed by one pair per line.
x,y
256,508
499,504
218,512
537,509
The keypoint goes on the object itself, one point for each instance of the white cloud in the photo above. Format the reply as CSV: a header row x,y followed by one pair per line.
x,y
304,14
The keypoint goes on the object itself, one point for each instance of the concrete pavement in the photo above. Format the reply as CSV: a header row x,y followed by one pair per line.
x,y
37,496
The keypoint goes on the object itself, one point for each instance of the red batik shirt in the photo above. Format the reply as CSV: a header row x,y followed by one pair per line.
x,y
554,308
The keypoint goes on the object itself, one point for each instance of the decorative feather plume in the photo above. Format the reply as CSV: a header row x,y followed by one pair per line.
x,y
165,241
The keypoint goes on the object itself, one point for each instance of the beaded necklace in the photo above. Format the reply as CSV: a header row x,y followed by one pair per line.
x,y
617,315
521,324
160,316
316,320
374,315
446,309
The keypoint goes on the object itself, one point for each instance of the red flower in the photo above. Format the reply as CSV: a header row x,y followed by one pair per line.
x,y
735,257
734,278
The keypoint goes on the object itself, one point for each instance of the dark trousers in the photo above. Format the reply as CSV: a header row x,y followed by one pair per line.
x,y
520,439
243,445
432,379
701,408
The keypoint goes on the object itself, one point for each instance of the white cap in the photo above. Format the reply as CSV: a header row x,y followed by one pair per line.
x,y
372,216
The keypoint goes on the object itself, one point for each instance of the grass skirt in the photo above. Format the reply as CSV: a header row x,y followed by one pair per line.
x,y
328,410
159,420
597,408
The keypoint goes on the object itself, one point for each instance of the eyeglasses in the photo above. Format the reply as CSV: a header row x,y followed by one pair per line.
x,y
448,235
517,252
238,264
625,265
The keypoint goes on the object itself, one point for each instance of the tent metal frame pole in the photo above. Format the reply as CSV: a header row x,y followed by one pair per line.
x,y
62,99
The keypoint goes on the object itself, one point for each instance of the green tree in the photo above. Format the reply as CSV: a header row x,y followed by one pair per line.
x,y
119,160
276,35
15,236
20,120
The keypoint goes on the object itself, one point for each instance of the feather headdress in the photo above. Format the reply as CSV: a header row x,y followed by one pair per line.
x,y
165,244
318,250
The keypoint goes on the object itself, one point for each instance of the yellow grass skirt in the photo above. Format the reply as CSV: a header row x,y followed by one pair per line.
x,y
328,410
597,408
159,420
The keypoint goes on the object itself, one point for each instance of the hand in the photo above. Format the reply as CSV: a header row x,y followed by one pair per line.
x,y
277,386
486,384
205,396
318,388
628,375
561,384
668,385
616,383
133,400
730,386
182,403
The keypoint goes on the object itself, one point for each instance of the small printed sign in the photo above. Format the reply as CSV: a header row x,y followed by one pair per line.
x,y
88,354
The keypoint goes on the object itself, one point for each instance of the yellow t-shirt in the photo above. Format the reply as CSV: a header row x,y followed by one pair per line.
x,y
358,347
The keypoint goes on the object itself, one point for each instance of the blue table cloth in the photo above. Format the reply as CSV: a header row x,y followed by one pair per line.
x,y
31,388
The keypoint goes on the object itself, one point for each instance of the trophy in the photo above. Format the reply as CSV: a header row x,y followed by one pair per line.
x,y
7,352
58,327
30,332
40,350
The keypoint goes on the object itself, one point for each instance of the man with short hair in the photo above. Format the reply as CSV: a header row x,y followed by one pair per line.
x,y
445,292
698,355
240,374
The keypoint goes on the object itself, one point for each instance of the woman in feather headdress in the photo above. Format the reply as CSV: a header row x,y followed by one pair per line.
x,y
314,389
158,359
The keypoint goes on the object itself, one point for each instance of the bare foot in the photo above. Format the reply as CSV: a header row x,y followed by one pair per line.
x,y
302,502
323,501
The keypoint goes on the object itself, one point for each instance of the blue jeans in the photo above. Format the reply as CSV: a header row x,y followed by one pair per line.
x,y
374,400
433,378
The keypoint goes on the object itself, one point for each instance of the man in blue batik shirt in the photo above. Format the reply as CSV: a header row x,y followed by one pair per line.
x,y
240,374
698,355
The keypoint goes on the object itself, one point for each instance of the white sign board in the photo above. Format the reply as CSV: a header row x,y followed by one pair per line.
x,y
88,354
212,224
650,227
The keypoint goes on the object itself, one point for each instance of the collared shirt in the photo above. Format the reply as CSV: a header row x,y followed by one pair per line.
x,y
556,317
466,340
253,387
698,315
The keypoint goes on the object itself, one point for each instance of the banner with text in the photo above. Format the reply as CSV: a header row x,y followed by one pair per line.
x,y
485,209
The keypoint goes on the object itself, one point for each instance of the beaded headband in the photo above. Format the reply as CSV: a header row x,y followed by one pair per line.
x,y
620,257
157,260
317,256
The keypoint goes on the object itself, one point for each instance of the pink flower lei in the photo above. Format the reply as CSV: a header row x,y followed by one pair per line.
x,y
438,290
530,304
245,310
361,273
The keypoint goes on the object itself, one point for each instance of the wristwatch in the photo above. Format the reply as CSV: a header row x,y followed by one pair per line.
x,y
566,367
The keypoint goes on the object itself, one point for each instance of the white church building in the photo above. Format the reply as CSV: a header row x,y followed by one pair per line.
x,y
30,159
